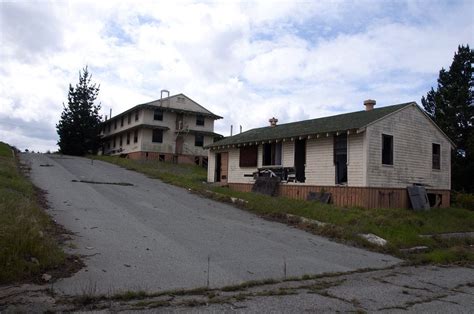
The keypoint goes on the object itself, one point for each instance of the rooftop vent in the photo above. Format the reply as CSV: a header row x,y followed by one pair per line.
x,y
273,122
369,104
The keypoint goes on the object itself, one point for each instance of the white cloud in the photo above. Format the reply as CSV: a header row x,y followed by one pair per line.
x,y
247,61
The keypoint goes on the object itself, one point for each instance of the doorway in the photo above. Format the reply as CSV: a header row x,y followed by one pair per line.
x,y
300,160
340,158
179,145
222,161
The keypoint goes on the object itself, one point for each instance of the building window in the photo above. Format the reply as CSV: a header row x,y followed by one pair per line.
x,y
157,136
158,114
436,156
248,156
129,118
128,138
136,115
115,124
272,154
199,140
135,136
340,158
121,121
199,120
120,141
387,149
115,142
108,126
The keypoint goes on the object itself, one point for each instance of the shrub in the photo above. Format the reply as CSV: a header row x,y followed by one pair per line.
x,y
465,200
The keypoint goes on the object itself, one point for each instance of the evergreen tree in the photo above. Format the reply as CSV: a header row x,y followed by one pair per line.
x,y
451,106
79,126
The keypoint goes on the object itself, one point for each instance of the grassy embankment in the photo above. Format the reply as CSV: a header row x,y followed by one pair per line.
x,y
400,227
26,246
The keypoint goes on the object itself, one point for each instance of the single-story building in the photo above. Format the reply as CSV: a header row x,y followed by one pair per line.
x,y
366,158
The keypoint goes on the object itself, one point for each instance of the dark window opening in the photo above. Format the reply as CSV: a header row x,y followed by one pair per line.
x,y
136,115
300,160
128,138
115,142
121,121
108,126
340,158
158,115
197,160
129,118
120,142
115,125
199,120
157,136
248,156
161,157
199,140
272,154
387,149
135,136
108,145
436,164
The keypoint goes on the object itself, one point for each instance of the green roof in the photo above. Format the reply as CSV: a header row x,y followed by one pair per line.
x,y
332,124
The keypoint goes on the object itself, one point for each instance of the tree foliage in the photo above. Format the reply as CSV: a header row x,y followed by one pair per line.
x,y
451,106
79,126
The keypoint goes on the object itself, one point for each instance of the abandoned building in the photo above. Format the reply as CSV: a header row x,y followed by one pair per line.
x,y
366,158
172,128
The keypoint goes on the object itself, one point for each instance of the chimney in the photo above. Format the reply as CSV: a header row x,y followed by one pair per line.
x,y
369,104
273,122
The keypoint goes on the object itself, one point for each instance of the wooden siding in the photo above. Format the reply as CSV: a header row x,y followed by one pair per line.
x,y
413,136
356,160
351,196
288,154
320,168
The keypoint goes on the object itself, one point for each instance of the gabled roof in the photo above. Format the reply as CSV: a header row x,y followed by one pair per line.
x,y
188,107
339,123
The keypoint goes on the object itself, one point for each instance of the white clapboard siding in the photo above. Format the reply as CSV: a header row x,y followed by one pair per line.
x,y
356,160
288,154
319,161
413,135
211,166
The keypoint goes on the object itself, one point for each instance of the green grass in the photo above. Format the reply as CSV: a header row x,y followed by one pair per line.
x,y
26,249
400,227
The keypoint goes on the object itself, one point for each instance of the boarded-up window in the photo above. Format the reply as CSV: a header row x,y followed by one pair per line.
x,y
248,156
157,136
272,154
436,156
387,149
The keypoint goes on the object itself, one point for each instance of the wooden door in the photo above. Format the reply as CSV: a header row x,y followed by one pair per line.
x,y
179,145
224,167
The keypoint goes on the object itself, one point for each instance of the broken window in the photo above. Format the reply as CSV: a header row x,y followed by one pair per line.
x,y
157,136
436,163
248,156
272,154
199,140
387,149
199,120
158,114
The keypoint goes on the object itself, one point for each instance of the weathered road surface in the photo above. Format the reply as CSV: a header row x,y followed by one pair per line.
x,y
155,236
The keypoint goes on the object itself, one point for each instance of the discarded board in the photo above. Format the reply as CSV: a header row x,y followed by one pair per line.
x,y
266,185
319,197
418,198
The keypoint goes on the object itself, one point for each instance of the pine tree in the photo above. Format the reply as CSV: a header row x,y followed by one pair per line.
x,y
451,106
79,126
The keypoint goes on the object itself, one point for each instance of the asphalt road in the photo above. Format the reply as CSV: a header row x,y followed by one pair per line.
x,y
155,236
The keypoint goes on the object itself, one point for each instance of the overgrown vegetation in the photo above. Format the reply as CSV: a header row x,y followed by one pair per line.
x,y
26,248
400,227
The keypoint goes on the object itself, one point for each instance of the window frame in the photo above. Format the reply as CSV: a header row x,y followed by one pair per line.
x,y
388,154
155,138
276,151
160,116
200,120
198,143
435,158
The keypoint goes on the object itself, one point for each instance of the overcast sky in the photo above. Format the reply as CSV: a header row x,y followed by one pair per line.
x,y
245,61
